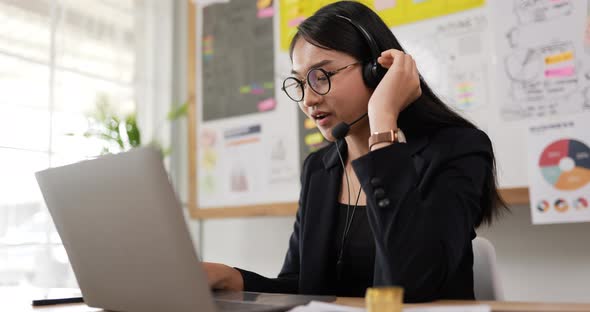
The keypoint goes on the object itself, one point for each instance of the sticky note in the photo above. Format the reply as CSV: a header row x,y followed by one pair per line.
x,y
267,105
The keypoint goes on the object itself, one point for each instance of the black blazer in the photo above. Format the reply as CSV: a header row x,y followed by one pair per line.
x,y
423,201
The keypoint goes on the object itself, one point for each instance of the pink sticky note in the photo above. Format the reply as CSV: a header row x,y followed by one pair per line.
x,y
267,105
560,72
264,13
257,91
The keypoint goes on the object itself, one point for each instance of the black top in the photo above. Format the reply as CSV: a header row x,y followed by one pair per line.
x,y
424,200
355,273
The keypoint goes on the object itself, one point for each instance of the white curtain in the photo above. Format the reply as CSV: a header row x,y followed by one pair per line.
x,y
57,58
155,68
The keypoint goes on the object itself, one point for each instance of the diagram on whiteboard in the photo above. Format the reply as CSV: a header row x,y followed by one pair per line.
x,y
559,169
547,73
448,52
534,11
542,68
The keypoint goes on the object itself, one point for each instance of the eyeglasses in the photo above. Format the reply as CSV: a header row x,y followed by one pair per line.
x,y
317,78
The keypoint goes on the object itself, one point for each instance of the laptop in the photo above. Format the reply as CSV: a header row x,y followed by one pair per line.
x,y
127,240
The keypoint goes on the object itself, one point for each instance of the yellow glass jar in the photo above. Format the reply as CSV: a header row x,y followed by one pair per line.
x,y
384,299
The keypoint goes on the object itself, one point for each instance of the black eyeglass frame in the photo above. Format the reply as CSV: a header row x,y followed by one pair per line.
x,y
302,84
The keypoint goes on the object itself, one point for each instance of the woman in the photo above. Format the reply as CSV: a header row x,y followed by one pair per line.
x,y
373,209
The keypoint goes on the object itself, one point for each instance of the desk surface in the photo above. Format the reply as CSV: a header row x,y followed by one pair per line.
x,y
359,302
503,306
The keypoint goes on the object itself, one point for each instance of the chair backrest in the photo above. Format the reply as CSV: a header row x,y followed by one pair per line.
x,y
486,279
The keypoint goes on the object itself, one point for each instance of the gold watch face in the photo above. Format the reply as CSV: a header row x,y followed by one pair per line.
x,y
381,137
390,136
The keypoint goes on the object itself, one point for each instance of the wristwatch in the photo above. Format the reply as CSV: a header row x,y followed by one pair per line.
x,y
391,136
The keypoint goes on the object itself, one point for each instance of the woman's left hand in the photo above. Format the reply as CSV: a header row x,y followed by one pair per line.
x,y
399,87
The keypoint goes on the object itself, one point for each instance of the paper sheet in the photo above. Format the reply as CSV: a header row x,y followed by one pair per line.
x,y
316,306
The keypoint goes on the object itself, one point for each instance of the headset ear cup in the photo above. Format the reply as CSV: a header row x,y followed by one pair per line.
x,y
380,72
368,75
372,74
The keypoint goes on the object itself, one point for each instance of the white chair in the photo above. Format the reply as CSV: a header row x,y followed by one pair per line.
x,y
486,279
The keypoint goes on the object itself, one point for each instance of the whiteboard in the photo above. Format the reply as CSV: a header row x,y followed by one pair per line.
x,y
501,64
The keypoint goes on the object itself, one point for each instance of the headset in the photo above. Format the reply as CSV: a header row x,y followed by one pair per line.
x,y
373,72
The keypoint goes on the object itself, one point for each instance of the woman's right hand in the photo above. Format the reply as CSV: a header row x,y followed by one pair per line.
x,y
223,277
399,87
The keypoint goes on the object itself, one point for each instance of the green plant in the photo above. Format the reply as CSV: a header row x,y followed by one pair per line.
x,y
120,134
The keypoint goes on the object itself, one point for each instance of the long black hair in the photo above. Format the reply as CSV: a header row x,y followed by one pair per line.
x,y
426,115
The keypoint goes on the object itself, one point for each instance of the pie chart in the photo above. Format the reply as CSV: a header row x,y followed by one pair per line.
x,y
565,164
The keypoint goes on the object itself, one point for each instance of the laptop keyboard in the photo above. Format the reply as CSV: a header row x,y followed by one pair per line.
x,y
226,306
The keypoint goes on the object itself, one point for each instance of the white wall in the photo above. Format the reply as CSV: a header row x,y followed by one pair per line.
x,y
541,262
256,244
537,263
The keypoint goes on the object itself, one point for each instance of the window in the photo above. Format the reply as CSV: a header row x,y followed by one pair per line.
x,y
56,59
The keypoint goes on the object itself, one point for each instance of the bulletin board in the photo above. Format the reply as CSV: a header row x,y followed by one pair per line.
x,y
501,64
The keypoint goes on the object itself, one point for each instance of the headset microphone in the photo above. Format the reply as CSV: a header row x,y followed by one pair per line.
x,y
341,129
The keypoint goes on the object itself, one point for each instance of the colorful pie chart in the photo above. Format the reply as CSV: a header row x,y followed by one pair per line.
x,y
565,164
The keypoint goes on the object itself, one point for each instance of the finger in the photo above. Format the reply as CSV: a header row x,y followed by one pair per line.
x,y
398,61
413,71
391,54
385,62
416,73
385,59
395,53
416,77
388,52
409,64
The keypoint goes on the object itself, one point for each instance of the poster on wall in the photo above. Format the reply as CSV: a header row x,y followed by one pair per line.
x,y
543,60
245,154
451,53
559,170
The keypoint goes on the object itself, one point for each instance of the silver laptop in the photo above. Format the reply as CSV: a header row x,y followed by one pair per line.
x,y
127,241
